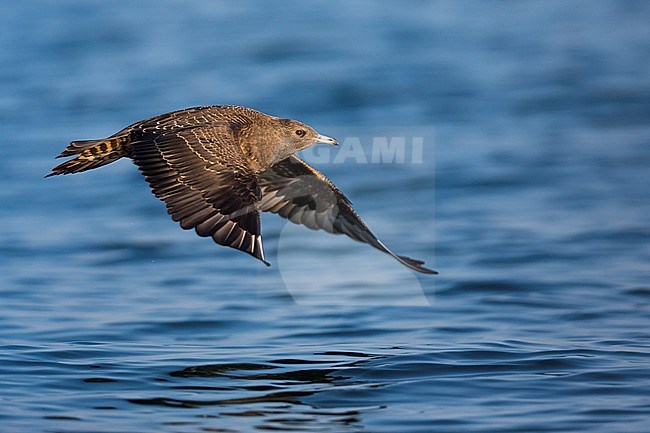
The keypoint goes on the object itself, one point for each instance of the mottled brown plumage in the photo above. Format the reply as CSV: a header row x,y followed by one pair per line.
x,y
217,167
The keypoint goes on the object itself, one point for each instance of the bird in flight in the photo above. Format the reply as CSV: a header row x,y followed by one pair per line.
x,y
217,167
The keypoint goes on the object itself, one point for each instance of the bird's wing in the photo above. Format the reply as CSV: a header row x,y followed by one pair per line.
x,y
294,190
203,177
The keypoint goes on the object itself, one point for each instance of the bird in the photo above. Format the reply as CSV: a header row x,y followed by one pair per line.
x,y
217,167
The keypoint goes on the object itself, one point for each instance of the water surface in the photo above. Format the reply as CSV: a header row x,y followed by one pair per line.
x,y
531,200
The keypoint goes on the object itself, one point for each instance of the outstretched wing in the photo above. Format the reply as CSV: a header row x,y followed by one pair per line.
x,y
206,183
294,190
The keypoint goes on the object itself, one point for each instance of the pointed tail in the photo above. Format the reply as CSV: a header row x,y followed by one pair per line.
x,y
90,154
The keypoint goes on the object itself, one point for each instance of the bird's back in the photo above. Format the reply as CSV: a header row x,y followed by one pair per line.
x,y
191,117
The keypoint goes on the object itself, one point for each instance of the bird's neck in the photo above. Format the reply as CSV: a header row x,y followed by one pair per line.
x,y
262,150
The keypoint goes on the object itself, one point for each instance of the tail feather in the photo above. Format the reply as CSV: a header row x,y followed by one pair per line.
x,y
78,146
90,154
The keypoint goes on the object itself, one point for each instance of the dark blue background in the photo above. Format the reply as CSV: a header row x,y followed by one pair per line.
x,y
532,201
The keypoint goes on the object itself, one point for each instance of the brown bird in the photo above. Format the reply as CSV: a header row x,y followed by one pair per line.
x,y
217,167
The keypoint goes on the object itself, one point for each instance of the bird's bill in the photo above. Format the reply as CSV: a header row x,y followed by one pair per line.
x,y
324,139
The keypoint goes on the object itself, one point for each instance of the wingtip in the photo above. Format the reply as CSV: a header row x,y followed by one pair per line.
x,y
428,271
416,265
258,251
423,270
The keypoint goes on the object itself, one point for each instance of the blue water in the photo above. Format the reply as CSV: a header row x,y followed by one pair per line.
x,y
531,199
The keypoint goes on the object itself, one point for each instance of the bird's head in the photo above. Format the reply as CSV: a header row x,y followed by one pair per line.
x,y
271,139
295,136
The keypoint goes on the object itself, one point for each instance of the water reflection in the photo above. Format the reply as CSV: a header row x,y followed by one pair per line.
x,y
277,391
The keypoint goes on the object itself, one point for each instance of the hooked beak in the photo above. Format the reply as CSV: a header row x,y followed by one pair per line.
x,y
326,140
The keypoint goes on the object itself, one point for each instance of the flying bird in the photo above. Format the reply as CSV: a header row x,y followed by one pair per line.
x,y
217,167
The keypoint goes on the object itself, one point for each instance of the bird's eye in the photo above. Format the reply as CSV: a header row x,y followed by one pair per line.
x,y
300,132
